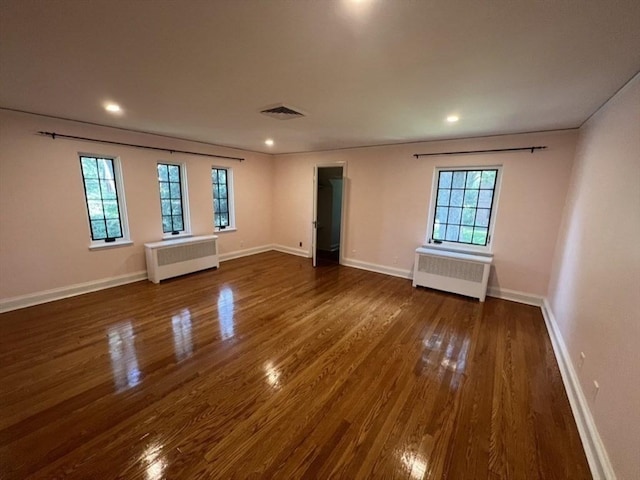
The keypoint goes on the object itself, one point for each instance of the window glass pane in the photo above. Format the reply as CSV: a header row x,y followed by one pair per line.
x,y
216,208
166,224
466,234
484,200
108,188
89,167
214,175
438,231
174,188
473,179
452,233
443,197
223,206
105,168
224,220
456,198
222,176
98,229
110,209
482,217
95,209
468,216
479,236
222,191
177,223
445,180
164,190
455,215
459,179
92,189
441,214
174,173
166,207
113,229
163,175
176,207
470,198
488,179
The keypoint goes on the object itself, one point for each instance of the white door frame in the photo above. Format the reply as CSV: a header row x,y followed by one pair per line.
x,y
314,221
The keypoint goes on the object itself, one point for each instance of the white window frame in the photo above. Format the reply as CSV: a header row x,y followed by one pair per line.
x,y
230,200
122,203
186,217
456,246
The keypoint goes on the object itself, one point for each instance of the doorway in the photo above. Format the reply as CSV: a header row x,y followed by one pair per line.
x,y
328,210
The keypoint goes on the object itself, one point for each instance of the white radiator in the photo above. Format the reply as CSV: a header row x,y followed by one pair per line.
x,y
171,258
462,273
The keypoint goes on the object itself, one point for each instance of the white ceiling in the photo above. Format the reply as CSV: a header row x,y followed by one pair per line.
x,y
367,72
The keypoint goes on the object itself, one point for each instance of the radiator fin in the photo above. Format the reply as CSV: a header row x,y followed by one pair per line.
x,y
446,267
188,251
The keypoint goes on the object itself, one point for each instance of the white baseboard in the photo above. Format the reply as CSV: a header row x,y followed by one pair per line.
x,y
514,296
597,457
373,267
293,251
245,253
22,301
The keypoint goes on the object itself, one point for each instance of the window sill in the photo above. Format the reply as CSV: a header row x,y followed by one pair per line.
x,y
180,235
468,249
224,230
105,245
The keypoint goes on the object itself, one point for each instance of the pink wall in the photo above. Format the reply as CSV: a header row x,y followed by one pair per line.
x,y
388,193
44,233
596,278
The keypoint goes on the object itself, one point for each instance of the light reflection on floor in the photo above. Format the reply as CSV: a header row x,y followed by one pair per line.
x,y
225,313
124,362
415,465
182,341
154,462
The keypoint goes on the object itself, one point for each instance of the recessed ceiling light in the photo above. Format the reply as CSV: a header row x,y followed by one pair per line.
x,y
453,118
269,142
112,107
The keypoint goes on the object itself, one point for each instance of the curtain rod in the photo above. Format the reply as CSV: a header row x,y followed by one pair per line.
x,y
55,135
467,152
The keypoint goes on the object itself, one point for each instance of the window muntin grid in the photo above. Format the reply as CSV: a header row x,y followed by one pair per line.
x,y
170,182
101,195
221,200
463,207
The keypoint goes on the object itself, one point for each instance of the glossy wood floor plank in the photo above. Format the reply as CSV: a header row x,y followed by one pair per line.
x,y
268,368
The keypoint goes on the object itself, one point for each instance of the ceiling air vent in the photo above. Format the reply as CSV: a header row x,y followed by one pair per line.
x,y
281,112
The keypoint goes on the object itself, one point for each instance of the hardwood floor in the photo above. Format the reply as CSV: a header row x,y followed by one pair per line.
x,y
267,368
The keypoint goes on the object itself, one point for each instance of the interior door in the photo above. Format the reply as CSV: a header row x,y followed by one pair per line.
x,y
314,223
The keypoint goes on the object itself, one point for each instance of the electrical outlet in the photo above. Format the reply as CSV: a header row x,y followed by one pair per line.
x,y
300,243
241,243
395,260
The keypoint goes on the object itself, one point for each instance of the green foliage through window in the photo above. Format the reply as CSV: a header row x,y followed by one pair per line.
x,y
169,180
463,205
220,185
102,197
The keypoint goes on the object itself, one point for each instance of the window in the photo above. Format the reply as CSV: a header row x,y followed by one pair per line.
x,y
222,198
172,185
463,206
105,199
